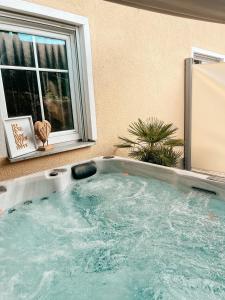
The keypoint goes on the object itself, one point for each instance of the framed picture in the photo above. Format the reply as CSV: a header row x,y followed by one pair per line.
x,y
20,137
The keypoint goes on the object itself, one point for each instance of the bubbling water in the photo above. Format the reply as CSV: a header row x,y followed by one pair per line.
x,y
115,237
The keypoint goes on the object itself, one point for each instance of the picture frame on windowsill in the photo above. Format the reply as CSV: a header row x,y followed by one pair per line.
x,y
20,136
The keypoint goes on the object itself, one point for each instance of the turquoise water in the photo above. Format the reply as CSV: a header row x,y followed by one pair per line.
x,y
115,237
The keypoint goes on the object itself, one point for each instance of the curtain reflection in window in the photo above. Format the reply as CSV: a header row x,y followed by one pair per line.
x,y
57,100
21,93
51,53
16,49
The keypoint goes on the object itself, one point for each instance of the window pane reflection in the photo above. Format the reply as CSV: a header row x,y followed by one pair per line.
x,y
51,53
57,100
16,49
21,93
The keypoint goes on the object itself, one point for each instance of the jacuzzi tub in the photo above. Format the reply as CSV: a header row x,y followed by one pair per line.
x,y
41,184
132,231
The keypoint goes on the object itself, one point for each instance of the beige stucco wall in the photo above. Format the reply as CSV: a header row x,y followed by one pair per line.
x,y
138,71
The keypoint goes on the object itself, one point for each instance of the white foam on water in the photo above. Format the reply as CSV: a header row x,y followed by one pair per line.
x,y
115,237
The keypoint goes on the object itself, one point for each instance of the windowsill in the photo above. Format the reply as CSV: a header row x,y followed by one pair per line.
x,y
58,148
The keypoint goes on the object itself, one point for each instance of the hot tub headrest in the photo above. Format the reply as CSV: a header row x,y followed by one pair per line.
x,y
84,170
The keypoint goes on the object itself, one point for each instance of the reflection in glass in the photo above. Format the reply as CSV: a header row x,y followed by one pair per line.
x,y
21,93
51,53
57,100
16,49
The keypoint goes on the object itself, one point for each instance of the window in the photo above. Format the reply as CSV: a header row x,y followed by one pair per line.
x,y
45,72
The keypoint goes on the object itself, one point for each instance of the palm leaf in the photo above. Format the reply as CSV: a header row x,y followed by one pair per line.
x,y
174,142
152,131
127,143
154,142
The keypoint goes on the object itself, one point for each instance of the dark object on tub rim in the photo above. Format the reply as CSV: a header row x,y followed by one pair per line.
x,y
203,190
53,173
3,189
27,202
11,210
84,170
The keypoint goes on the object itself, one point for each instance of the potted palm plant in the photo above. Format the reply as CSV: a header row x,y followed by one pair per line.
x,y
153,141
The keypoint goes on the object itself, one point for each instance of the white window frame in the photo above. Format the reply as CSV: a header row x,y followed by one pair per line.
x,y
79,25
55,137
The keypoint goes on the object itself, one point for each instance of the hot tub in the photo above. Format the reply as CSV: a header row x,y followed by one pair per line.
x,y
133,230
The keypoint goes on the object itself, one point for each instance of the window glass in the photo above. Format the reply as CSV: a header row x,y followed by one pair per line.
x,y
57,100
16,49
30,90
21,93
51,53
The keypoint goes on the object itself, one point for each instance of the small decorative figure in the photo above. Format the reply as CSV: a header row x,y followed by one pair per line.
x,y
42,130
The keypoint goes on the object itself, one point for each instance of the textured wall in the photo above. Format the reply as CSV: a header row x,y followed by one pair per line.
x,y
138,59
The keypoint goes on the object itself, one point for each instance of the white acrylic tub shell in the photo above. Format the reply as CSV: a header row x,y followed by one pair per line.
x,y
41,184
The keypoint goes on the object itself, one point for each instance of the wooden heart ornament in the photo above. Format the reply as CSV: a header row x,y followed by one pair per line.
x,y
42,130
